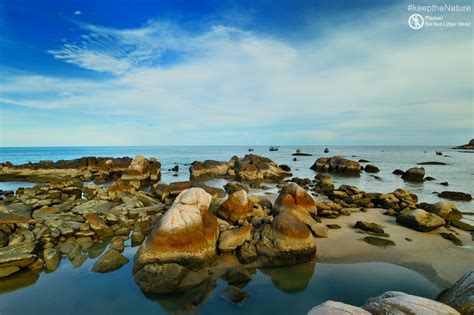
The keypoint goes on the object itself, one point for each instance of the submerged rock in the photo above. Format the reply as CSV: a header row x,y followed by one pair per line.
x,y
393,302
160,278
234,294
109,261
51,259
420,220
237,275
461,295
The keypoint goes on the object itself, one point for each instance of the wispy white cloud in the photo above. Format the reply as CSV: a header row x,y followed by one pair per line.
x,y
77,12
228,84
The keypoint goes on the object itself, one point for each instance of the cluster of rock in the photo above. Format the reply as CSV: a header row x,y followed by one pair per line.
x,y
38,225
185,228
459,299
400,203
337,164
250,168
97,169
198,230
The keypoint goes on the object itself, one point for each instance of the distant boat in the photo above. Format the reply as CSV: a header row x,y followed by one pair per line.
x,y
273,148
326,150
439,153
251,149
298,150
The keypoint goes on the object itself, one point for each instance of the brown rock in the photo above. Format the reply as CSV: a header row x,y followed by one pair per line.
x,y
238,206
293,197
337,164
186,234
98,225
232,239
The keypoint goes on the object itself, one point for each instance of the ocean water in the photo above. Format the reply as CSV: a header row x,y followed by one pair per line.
x,y
459,172
283,290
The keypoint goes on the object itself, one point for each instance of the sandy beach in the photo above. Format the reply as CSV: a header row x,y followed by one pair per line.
x,y
428,253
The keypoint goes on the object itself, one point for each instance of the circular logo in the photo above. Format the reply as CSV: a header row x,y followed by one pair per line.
x,y
416,21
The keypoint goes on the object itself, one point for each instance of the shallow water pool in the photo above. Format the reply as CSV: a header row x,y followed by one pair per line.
x,y
282,290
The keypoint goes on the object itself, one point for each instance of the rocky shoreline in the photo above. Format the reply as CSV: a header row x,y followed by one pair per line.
x,y
191,234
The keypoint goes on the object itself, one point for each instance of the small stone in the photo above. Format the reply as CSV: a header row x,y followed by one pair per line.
x,y
117,243
377,241
237,275
234,294
51,258
75,251
345,212
137,238
37,265
247,253
451,237
333,226
78,261
109,261
368,226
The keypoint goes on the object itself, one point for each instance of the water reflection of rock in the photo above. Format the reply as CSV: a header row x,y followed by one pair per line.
x,y
291,279
185,301
19,280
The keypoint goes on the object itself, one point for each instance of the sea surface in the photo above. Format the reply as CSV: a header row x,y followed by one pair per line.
x,y
283,290
459,171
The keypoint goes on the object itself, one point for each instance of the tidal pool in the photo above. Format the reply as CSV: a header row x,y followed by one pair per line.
x,y
281,290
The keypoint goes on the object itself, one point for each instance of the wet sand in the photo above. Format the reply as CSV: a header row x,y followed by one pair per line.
x,y
436,258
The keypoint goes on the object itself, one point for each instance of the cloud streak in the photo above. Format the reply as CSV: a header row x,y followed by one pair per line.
x,y
338,87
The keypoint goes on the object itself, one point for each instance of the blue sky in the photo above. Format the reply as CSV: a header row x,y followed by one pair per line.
x,y
76,73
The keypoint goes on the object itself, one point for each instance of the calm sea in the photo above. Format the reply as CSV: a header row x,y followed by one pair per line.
x,y
458,173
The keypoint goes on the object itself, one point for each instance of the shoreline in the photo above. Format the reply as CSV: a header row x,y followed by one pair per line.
x,y
437,259
345,246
